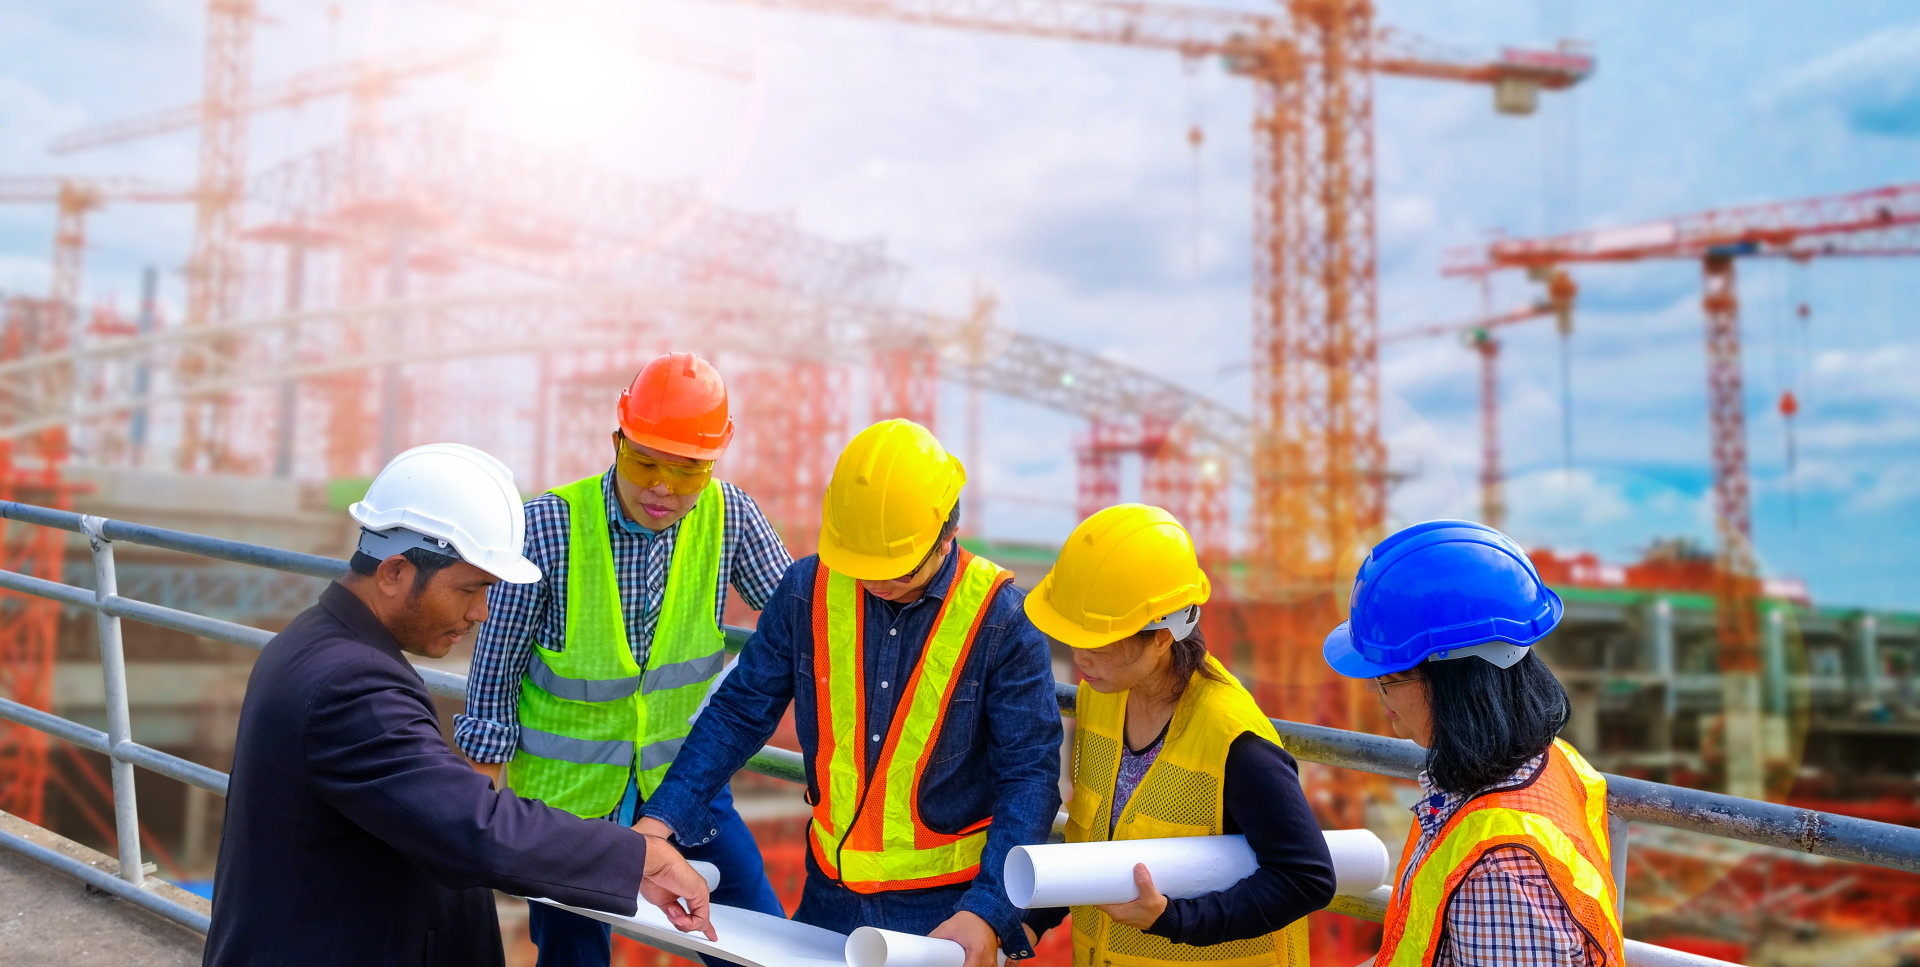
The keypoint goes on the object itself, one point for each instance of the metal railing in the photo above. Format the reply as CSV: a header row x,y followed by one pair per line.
x,y
1629,799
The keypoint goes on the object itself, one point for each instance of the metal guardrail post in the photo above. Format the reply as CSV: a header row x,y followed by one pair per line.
x,y
1617,846
113,665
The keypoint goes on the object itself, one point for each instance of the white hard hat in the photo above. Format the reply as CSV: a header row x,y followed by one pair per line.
x,y
448,494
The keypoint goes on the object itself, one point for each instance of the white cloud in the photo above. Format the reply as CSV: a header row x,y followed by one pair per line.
x,y
1873,85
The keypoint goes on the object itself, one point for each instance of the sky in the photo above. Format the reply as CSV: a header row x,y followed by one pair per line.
x,y
1062,176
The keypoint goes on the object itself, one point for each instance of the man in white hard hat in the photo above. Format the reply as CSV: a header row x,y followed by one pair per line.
x,y
354,834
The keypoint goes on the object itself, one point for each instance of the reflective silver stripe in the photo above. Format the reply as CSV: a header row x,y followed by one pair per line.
x,y
582,689
690,672
657,754
546,745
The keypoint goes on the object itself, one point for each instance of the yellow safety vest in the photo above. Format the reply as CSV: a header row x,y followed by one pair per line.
x,y
1560,817
866,831
1181,795
589,715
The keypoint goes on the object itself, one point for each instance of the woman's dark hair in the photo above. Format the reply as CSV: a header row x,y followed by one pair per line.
x,y
425,563
1488,721
1189,655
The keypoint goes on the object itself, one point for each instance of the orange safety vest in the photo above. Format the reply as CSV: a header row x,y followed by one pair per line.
x,y
1560,816
866,832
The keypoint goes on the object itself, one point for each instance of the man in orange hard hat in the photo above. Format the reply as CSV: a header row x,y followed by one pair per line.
x,y
584,684
924,703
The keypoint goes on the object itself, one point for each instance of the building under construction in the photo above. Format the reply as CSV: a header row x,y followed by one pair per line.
x,y
417,278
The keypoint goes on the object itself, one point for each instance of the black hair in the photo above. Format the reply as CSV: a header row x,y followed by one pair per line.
x,y
951,527
425,563
1488,721
1189,655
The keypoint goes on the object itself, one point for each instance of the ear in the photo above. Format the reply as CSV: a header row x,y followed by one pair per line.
x,y
394,576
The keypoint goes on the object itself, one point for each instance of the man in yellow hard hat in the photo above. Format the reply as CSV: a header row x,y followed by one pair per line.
x,y
924,703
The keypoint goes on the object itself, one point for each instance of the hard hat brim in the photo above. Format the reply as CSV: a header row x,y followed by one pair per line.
x,y
679,448
1059,627
513,570
1347,661
866,567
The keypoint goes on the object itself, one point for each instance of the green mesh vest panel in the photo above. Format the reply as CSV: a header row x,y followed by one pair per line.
x,y
589,714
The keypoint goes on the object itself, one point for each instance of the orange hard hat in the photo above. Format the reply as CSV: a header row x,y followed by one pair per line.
x,y
678,405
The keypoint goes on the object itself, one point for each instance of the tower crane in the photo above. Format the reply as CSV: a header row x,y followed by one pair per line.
x,y
1874,223
30,468
228,100
74,199
1477,335
1320,464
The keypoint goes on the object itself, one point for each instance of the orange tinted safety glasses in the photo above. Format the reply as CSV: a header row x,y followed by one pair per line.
x,y
647,473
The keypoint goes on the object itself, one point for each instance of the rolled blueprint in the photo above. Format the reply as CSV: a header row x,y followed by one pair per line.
x,y
747,937
1070,874
874,947
708,872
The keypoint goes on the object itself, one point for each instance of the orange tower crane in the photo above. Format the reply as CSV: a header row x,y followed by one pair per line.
x,y
30,469
1319,488
1478,336
1879,222
229,99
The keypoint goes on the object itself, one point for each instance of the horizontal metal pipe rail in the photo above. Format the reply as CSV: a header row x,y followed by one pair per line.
x,y
1638,800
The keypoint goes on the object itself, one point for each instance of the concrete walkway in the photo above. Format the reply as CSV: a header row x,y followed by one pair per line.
x,y
48,919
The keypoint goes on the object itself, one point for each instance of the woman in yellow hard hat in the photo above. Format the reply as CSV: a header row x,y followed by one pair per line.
x,y
1169,744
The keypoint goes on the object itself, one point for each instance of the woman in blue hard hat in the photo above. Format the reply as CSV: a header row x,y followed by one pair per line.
x,y
1509,862
1168,744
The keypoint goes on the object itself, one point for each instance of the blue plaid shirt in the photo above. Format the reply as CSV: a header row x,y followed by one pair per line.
x,y
752,559
1506,912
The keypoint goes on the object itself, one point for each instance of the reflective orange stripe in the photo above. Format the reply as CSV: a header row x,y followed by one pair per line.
x,y
867,832
1559,817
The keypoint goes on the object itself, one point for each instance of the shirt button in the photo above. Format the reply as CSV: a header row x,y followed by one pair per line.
x,y
893,631
885,684
876,738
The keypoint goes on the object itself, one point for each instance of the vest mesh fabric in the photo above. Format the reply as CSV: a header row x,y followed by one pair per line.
x,y
866,831
1181,795
589,715
1559,817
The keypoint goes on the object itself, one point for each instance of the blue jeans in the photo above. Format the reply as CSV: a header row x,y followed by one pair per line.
x,y
570,940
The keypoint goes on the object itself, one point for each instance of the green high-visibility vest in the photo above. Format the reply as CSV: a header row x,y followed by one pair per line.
x,y
589,714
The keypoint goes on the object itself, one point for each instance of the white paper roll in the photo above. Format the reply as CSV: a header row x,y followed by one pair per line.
x,y
747,937
1070,874
708,872
874,947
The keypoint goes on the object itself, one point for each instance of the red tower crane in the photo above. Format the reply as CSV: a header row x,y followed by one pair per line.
x,y
30,469
1879,222
1319,462
1478,336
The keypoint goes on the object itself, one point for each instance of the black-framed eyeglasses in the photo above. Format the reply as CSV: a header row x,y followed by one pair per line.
x,y
1385,683
917,568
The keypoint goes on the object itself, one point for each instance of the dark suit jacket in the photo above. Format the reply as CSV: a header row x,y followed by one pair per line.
x,y
354,835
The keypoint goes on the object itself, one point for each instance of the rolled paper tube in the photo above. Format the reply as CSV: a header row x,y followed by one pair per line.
x,y
874,947
746,937
708,872
1072,874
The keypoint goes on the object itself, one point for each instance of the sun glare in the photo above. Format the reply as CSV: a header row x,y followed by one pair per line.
x,y
561,79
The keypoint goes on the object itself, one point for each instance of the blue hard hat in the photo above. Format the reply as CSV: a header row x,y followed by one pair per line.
x,y
1442,589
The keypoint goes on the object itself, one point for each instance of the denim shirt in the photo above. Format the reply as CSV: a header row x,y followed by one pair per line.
x,y
998,753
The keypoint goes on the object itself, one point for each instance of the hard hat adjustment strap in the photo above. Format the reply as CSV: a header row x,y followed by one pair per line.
x,y
1181,622
381,545
1500,653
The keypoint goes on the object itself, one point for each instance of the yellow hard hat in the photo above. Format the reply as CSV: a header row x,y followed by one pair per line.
x,y
891,492
1125,569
